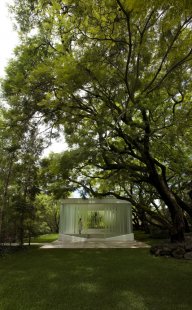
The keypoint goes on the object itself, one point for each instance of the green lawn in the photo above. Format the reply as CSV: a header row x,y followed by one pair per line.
x,y
102,279
45,238
142,236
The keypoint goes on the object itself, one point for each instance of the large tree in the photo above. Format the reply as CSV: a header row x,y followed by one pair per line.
x,y
116,75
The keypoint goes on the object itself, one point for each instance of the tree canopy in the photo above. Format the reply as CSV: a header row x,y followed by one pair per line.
x,y
116,76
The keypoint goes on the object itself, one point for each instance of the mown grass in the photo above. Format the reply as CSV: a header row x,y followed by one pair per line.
x,y
144,237
45,238
96,279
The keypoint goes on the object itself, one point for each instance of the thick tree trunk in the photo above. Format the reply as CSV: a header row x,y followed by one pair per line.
x,y
178,225
187,228
185,207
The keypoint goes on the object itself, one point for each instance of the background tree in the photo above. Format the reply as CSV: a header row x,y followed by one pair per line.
x,y
47,215
21,149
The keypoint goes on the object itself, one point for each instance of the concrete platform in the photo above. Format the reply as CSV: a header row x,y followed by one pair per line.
x,y
94,244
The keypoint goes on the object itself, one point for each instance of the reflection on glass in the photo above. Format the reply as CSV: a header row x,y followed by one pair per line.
x,y
95,219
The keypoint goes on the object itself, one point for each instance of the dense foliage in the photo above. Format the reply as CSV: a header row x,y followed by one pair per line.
x,y
116,76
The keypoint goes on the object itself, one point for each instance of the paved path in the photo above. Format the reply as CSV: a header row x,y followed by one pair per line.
x,y
94,244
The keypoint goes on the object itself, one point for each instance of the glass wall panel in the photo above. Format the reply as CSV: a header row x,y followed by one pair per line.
x,y
107,216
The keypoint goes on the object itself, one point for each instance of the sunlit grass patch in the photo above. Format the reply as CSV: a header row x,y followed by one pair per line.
x,y
45,238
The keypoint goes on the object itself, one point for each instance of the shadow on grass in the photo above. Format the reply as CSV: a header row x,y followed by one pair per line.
x,y
146,238
94,279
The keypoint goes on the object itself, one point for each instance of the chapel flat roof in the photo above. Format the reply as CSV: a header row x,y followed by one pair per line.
x,y
94,201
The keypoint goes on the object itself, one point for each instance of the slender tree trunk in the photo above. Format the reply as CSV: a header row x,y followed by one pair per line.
x,y
21,228
144,223
5,194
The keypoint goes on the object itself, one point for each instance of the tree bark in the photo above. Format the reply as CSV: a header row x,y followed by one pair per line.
x,y
178,225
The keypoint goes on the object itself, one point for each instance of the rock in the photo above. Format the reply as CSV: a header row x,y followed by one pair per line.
x,y
179,252
155,250
160,250
188,246
188,255
176,250
165,251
